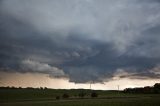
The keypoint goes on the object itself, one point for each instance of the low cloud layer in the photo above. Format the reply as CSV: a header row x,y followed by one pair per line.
x,y
85,40
33,66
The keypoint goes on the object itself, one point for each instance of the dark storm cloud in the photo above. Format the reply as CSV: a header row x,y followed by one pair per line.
x,y
85,40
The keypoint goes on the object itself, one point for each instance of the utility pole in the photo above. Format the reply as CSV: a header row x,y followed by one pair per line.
x,y
118,87
92,82
90,85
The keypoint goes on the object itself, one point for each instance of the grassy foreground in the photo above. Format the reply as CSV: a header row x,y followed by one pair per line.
x,y
92,102
25,97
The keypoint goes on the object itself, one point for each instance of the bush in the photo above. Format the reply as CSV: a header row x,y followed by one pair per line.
x,y
94,94
65,96
57,97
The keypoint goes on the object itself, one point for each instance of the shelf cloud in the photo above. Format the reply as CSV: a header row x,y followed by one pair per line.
x,y
84,40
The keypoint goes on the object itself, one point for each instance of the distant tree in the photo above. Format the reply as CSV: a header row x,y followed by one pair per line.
x,y
94,94
45,88
13,87
148,89
127,90
30,88
157,88
65,96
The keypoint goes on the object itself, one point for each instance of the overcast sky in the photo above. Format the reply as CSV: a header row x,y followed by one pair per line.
x,y
81,40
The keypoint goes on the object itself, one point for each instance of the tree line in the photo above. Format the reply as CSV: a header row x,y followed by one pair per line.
x,y
155,89
146,90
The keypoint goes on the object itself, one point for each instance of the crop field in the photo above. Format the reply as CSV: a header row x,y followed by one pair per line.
x,y
32,97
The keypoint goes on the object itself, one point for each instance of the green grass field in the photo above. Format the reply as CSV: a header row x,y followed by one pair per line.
x,y
30,97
